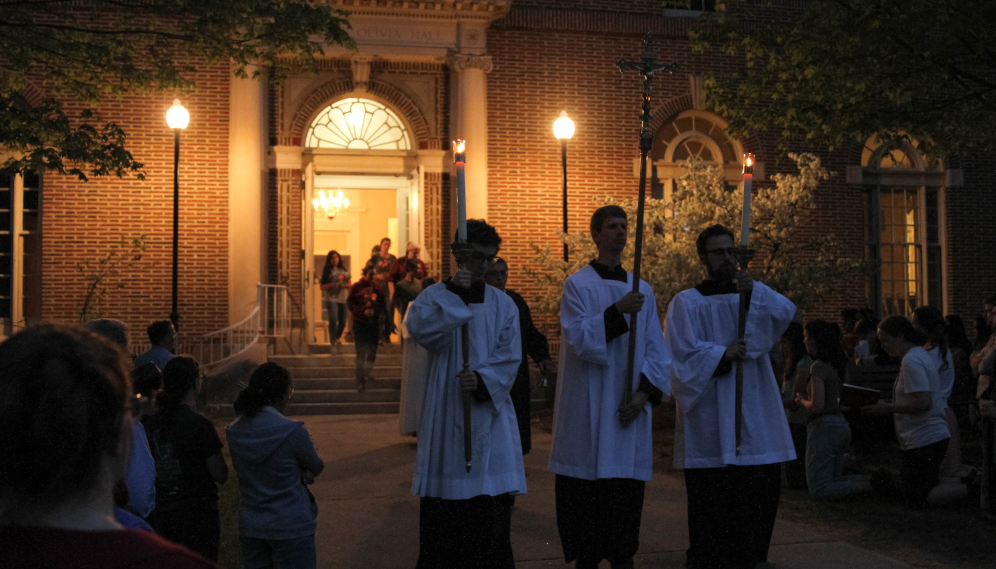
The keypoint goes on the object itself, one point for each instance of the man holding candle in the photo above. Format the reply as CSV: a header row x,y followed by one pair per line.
x,y
465,517
602,452
732,493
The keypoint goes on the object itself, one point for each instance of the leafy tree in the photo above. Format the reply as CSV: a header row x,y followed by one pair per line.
x,y
805,270
99,49
844,70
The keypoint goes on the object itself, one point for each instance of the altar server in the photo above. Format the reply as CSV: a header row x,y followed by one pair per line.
x,y
732,499
465,518
602,449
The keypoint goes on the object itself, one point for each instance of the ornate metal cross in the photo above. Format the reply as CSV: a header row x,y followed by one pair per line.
x,y
647,66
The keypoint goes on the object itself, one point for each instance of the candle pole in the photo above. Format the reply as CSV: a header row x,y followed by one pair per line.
x,y
461,250
647,67
744,255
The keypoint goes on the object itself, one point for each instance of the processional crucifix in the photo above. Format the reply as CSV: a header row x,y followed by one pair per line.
x,y
647,66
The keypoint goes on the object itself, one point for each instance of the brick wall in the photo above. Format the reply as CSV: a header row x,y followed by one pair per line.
x,y
82,220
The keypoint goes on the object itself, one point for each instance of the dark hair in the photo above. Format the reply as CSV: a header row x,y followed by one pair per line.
x,y
179,377
384,239
268,384
982,331
158,330
827,337
601,214
990,300
499,261
368,268
478,231
864,326
62,399
428,281
707,234
955,328
849,314
146,379
114,330
411,266
327,269
899,327
793,337
931,321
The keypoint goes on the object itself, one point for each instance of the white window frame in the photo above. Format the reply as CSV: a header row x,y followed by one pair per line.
x,y
17,320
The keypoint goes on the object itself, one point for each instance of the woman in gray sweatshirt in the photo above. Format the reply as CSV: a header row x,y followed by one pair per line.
x,y
274,458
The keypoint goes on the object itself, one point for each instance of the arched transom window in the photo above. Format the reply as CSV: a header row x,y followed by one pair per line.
x,y
358,124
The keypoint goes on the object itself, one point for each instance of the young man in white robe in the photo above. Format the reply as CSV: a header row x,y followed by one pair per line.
x,y
732,500
465,517
602,448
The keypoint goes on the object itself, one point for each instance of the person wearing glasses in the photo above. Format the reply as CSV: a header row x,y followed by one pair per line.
x,y
732,497
274,459
465,517
189,463
602,446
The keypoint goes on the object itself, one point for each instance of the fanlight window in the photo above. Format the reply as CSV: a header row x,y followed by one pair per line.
x,y
359,124
696,137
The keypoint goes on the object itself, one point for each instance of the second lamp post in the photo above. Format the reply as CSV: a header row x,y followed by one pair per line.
x,y
563,129
177,119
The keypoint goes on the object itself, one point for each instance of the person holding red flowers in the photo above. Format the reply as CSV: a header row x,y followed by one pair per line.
x,y
368,304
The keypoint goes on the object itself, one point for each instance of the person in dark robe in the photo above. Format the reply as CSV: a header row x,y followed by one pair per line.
x,y
534,345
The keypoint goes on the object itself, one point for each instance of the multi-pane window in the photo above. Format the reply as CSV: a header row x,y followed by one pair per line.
x,y
20,251
935,270
360,124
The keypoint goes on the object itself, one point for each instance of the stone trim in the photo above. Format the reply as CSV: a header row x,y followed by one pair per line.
x,y
594,21
435,10
463,61
670,109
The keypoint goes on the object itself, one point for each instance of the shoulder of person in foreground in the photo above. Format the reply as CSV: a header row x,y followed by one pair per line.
x,y
160,553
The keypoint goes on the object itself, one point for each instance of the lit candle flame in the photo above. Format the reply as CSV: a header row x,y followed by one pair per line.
x,y
749,162
461,146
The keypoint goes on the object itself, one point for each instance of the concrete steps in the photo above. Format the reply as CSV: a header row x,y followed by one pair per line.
x,y
324,383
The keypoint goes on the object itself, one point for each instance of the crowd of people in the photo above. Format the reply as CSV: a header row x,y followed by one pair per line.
x,y
94,442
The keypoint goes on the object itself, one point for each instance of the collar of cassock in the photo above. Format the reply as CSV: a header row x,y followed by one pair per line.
x,y
616,273
472,295
710,287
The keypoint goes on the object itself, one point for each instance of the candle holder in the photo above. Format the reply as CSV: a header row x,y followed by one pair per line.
x,y
744,256
462,251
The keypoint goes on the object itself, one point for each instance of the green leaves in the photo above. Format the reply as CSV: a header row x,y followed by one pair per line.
x,y
104,49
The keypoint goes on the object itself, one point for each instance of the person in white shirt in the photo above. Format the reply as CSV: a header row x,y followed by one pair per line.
x,y
465,517
918,412
602,446
732,498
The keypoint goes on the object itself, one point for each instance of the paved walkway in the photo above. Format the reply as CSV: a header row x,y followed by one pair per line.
x,y
369,518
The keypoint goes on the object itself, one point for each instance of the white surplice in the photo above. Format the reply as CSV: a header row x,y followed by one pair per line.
x,y
434,321
414,369
699,328
589,442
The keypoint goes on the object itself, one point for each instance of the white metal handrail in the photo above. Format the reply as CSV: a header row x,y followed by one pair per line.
x,y
274,306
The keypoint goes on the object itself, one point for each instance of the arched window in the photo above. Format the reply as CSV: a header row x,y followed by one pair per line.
x,y
695,135
903,227
358,124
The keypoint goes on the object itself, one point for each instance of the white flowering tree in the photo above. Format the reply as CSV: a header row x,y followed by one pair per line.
x,y
805,270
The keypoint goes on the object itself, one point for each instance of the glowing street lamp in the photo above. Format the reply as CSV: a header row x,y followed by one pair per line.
x,y
177,118
563,129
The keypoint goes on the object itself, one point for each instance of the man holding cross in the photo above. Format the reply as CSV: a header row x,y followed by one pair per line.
x,y
732,493
465,517
602,448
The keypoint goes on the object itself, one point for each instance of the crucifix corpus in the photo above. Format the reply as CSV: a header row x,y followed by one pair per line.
x,y
647,66
462,251
744,255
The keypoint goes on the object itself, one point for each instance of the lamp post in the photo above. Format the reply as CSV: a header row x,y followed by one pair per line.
x,y
563,129
177,119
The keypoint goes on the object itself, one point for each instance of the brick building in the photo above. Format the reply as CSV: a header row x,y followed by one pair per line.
x,y
377,123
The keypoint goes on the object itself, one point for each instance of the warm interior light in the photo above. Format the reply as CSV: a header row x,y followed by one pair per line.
x,y
563,127
316,203
177,117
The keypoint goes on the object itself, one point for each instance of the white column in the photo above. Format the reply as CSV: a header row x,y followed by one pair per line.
x,y
472,126
247,141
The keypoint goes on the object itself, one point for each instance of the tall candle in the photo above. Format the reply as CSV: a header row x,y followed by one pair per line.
x,y
460,159
745,223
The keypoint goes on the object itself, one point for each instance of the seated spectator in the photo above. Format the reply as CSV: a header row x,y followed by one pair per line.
x,y
918,414
189,463
274,459
828,434
795,379
57,477
162,336
141,477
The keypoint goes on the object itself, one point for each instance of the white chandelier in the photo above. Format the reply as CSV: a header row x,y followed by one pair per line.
x,y
332,204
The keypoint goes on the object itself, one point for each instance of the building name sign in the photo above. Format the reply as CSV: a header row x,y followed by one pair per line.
x,y
413,34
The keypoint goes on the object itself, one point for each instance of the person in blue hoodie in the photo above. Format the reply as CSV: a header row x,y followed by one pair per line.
x,y
274,459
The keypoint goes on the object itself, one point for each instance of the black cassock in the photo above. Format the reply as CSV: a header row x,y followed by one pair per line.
x,y
534,345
